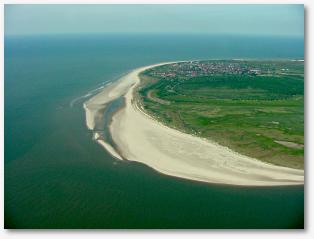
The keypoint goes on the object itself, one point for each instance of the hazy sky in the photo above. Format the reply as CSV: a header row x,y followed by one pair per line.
x,y
211,19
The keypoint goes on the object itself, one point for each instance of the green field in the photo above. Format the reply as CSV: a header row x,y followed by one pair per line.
x,y
254,107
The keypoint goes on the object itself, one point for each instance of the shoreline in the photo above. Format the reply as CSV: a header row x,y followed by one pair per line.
x,y
97,104
139,137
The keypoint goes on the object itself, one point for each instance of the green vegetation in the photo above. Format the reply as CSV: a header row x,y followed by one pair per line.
x,y
253,107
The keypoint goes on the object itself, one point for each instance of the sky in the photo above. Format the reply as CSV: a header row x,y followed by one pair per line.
x,y
279,20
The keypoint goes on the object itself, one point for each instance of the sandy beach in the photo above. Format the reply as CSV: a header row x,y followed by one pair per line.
x,y
141,138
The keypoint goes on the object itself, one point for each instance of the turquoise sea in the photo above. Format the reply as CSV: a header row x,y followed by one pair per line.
x,y
56,176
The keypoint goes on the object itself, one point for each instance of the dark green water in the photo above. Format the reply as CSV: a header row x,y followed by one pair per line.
x,y
57,177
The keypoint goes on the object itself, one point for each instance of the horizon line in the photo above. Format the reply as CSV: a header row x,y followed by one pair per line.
x,y
152,33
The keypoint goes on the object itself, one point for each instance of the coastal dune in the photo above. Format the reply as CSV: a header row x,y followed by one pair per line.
x,y
141,138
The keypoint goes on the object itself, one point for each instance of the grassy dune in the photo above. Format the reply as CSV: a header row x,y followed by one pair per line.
x,y
259,115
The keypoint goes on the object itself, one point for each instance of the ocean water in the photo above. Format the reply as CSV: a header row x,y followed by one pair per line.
x,y
56,176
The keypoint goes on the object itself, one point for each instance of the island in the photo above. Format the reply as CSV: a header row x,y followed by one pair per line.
x,y
235,122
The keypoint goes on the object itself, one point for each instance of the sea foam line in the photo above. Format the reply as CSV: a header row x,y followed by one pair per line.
x,y
90,93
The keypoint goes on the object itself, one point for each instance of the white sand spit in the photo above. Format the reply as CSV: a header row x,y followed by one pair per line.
x,y
107,146
141,138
